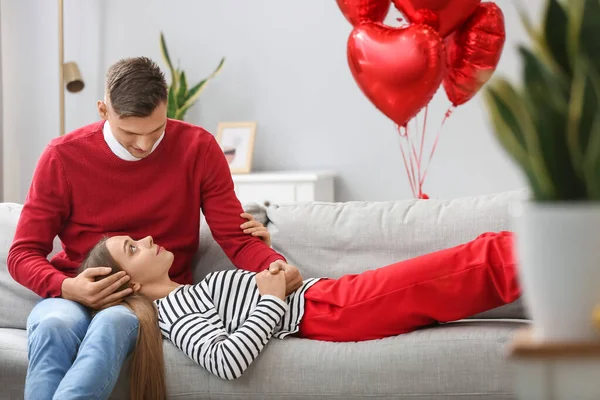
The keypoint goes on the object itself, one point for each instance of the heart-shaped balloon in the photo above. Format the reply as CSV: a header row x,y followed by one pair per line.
x,y
473,53
447,14
359,11
398,69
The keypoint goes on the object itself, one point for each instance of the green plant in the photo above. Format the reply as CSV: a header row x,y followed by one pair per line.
x,y
181,96
550,125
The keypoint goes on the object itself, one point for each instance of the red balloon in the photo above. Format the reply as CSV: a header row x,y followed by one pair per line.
x,y
473,53
359,11
444,15
398,69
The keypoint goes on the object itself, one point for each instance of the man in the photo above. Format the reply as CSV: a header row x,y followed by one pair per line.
x,y
135,173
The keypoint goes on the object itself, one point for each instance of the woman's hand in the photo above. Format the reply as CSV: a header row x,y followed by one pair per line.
x,y
293,278
271,283
255,228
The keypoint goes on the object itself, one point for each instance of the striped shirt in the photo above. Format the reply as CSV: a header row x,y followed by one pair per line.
x,y
223,323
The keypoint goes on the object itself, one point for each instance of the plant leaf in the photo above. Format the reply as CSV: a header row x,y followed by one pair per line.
x,y
182,90
535,35
546,99
525,20
182,110
575,12
583,111
172,103
555,35
180,114
167,59
589,38
195,91
509,130
506,127
518,107
541,83
591,162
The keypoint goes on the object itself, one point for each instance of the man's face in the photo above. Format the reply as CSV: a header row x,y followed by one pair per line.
x,y
136,134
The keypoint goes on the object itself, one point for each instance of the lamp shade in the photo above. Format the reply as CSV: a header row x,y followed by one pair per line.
x,y
72,76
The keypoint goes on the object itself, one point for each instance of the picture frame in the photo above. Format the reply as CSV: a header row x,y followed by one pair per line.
x,y
237,142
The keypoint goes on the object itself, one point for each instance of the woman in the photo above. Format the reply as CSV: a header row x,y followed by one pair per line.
x,y
224,321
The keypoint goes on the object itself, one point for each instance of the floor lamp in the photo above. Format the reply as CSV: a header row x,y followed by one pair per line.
x,y
69,75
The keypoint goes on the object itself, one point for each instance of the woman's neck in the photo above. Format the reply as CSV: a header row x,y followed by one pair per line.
x,y
158,290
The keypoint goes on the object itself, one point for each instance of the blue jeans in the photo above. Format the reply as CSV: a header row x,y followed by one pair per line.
x,y
73,355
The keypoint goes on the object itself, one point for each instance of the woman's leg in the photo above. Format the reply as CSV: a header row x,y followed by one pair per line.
x,y
442,286
111,336
55,329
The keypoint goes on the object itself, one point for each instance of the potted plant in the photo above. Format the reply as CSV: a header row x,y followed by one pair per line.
x,y
181,96
550,125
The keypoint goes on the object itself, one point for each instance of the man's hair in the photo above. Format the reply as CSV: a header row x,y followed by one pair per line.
x,y
135,87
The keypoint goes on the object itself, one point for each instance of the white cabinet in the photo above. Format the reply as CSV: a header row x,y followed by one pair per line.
x,y
267,188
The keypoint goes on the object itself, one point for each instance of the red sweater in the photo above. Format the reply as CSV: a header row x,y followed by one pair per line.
x,y
81,191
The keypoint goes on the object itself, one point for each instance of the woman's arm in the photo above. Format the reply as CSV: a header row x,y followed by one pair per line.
x,y
204,339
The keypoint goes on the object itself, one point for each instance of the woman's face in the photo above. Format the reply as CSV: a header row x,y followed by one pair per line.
x,y
143,260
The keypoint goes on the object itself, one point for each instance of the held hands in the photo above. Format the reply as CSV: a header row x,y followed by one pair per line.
x,y
255,228
293,279
271,283
96,295
281,279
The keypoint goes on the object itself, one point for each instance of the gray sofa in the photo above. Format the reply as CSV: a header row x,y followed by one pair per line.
x,y
461,360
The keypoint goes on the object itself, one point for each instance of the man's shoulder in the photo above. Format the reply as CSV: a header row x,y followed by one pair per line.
x,y
189,133
79,137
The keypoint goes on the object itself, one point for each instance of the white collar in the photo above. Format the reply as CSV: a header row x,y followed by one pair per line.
x,y
118,149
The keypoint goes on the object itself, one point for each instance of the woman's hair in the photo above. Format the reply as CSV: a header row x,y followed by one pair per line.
x,y
147,374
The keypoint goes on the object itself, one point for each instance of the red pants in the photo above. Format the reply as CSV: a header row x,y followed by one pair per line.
x,y
444,286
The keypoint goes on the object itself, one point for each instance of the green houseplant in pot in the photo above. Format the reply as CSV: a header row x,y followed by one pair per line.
x,y
550,125
181,95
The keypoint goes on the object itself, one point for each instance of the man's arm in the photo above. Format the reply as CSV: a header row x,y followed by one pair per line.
x,y
46,208
223,210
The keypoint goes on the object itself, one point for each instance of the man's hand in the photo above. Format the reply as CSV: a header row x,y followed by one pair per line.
x,y
97,295
271,283
255,228
293,279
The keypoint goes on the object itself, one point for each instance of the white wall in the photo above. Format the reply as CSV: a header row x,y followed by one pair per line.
x,y
30,80
30,88
84,24
286,68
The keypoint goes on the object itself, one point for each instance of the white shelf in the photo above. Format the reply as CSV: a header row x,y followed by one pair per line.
x,y
278,187
283,176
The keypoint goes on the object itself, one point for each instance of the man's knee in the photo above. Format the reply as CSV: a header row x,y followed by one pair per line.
x,y
58,318
116,324
117,318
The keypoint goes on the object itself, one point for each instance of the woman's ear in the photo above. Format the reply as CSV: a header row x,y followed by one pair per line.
x,y
136,287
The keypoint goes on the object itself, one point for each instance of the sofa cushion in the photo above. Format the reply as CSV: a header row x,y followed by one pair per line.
x,y
334,239
13,362
17,301
459,360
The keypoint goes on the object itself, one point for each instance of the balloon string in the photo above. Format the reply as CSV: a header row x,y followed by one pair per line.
x,y
435,142
408,174
421,180
414,159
